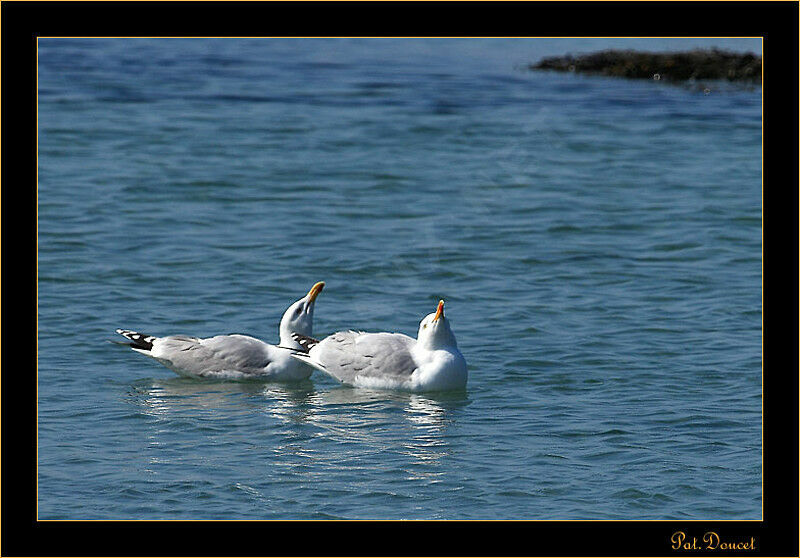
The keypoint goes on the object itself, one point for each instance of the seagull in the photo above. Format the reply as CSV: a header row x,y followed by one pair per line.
x,y
431,362
234,356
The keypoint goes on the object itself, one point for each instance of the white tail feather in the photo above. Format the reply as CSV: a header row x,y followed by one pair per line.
x,y
302,357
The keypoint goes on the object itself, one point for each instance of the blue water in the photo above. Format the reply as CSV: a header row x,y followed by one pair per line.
x,y
597,240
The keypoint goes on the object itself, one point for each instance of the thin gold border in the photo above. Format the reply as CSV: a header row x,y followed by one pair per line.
x,y
397,520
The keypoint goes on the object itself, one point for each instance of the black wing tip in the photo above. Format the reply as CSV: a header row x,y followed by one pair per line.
x,y
305,341
139,340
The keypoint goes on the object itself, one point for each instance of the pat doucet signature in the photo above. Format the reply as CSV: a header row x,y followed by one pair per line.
x,y
710,541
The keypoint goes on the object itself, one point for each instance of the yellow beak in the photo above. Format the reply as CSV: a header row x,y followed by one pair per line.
x,y
439,311
315,290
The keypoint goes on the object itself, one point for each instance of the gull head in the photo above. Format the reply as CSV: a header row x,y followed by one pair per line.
x,y
299,317
434,330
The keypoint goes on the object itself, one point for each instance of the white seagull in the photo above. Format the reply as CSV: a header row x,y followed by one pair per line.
x,y
431,362
234,356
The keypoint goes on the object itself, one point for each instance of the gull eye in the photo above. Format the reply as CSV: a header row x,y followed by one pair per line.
x,y
297,312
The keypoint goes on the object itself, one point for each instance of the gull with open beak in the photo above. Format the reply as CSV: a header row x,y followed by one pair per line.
x,y
431,362
235,356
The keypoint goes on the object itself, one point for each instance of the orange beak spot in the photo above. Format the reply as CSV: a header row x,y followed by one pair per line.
x,y
315,290
439,311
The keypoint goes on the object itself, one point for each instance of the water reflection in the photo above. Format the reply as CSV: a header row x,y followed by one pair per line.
x,y
163,398
309,434
351,408
289,403
413,425
428,446
225,417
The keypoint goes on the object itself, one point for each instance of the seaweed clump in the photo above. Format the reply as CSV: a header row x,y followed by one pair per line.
x,y
698,64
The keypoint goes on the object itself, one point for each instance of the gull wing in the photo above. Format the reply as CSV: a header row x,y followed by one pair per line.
x,y
200,357
349,356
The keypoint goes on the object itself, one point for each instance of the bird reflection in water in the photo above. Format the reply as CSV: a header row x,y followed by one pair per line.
x,y
222,412
160,398
427,447
379,421
309,434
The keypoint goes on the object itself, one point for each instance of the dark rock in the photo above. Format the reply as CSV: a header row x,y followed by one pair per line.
x,y
671,66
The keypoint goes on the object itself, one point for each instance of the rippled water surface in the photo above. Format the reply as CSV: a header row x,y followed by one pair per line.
x,y
598,243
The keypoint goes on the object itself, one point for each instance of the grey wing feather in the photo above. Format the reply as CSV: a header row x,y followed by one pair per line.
x,y
348,354
246,352
223,352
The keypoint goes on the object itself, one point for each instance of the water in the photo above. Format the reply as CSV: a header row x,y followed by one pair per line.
x,y
598,243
